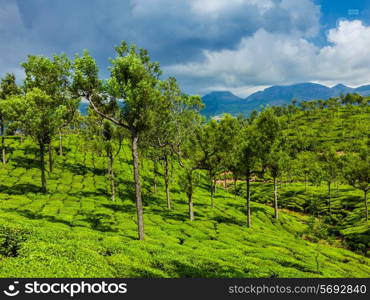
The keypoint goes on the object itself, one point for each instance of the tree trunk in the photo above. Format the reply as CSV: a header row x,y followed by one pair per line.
x,y
366,206
42,167
212,192
225,180
191,211
111,177
60,143
305,182
275,199
329,197
167,182
248,196
50,158
190,196
3,144
235,187
139,203
155,171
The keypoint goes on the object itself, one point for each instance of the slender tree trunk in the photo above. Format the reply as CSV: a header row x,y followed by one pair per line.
x,y
42,167
329,196
139,203
111,177
225,180
60,143
3,154
275,199
235,186
212,193
305,182
50,158
248,196
190,195
167,182
191,211
155,171
366,206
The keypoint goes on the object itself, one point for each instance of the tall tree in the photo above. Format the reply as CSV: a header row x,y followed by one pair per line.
x,y
270,145
229,145
330,165
276,163
133,80
53,77
170,131
187,148
38,115
105,138
210,150
8,88
249,161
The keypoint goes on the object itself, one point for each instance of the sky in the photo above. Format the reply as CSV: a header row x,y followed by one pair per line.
x,y
208,45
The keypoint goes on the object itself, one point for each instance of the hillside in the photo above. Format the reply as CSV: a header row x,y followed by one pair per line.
x,y
77,231
217,103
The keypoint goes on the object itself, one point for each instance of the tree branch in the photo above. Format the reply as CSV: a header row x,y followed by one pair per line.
x,y
113,120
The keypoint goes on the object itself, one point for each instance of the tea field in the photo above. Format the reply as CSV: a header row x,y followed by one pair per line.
x,y
77,231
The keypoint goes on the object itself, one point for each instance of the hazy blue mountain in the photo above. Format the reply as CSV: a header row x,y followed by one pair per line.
x,y
218,103
276,95
222,102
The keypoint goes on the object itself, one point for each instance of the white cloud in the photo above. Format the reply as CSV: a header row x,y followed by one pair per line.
x,y
213,8
268,58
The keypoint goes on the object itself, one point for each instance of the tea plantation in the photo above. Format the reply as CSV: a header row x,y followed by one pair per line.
x,y
77,231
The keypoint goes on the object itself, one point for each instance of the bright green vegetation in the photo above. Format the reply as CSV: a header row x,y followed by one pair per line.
x,y
130,190
77,231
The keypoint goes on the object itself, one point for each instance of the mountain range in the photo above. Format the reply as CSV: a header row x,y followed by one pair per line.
x,y
219,102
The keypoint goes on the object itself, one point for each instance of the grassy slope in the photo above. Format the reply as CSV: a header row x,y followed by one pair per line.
x,y
76,231
345,129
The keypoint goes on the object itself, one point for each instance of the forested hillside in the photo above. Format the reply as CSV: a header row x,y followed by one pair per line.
x,y
144,186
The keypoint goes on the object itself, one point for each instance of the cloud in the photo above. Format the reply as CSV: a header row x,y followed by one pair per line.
x,y
173,31
267,58
240,45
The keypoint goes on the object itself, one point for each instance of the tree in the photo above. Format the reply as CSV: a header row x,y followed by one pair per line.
x,y
53,77
170,132
39,116
249,158
270,145
210,150
357,172
330,165
133,83
187,148
275,162
8,88
306,160
229,129
105,138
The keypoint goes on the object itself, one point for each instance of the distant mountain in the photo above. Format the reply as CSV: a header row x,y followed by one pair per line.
x,y
222,101
218,103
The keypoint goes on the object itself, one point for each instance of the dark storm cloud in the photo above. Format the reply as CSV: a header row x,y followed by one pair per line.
x,y
174,32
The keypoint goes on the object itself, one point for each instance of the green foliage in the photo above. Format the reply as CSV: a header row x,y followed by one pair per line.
x,y
76,231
